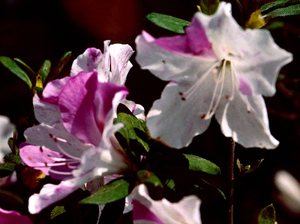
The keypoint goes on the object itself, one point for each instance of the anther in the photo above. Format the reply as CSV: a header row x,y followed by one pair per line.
x,y
41,149
51,136
203,116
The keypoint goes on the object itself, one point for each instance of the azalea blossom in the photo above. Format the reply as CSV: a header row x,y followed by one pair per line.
x,y
6,131
75,141
112,66
10,217
148,211
215,68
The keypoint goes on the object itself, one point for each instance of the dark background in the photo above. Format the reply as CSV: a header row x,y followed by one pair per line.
x,y
36,30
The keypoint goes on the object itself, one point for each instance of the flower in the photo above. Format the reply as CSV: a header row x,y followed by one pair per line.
x,y
9,217
6,131
75,141
112,66
148,211
216,68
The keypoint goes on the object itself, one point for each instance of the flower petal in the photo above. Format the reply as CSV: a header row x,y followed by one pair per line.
x,y
6,131
166,64
9,217
146,210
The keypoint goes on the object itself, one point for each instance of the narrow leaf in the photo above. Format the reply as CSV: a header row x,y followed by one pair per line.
x,y
11,158
145,176
44,70
15,69
29,70
209,7
168,22
277,4
6,169
58,210
267,215
197,163
113,191
62,63
291,10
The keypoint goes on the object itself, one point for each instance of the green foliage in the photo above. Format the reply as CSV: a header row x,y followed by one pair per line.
x,y
267,215
28,69
291,10
15,69
277,4
145,176
197,163
113,191
273,26
44,70
58,210
6,169
247,169
12,158
209,7
168,22
132,136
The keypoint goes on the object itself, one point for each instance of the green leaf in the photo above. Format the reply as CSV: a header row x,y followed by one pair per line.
x,y
132,136
6,169
209,7
277,4
197,163
62,63
267,215
15,69
58,210
113,191
11,158
29,70
12,144
145,176
291,10
168,22
274,25
44,70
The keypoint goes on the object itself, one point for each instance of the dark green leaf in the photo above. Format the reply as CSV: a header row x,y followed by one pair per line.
x,y
6,169
29,70
274,25
267,215
197,163
12,144
132,136
44,70
291,10
209,7
168,22
62,63
113,191
58,210
146,176
11,158
15,69
277,4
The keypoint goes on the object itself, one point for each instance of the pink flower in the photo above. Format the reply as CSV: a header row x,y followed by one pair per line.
x,y
10,217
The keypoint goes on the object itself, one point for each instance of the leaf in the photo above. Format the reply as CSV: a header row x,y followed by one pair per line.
x,y
168,22
132,136
15,69
277,4
274,25
267,215
6,169
58,210
145,176
29,70
62,63
113,191
44,70
197,163
11,158
291,10
209,7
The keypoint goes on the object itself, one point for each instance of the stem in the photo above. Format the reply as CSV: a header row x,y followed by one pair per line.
x,y
232,162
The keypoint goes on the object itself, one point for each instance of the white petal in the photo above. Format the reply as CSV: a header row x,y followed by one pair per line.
x,y
6,131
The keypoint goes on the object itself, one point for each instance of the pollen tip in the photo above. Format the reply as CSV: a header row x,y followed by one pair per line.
x,y
46,165
67,164
227,97
183,98
55,139
163,61
51,136
249,112
29,157
41,149
180,93
203,116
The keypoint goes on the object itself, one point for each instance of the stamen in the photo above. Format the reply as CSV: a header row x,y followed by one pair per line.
x,y
194,87
212,107
233,82
57,164
60,172
61,149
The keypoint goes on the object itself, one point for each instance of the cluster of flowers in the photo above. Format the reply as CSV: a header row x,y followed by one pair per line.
x,y
216,68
